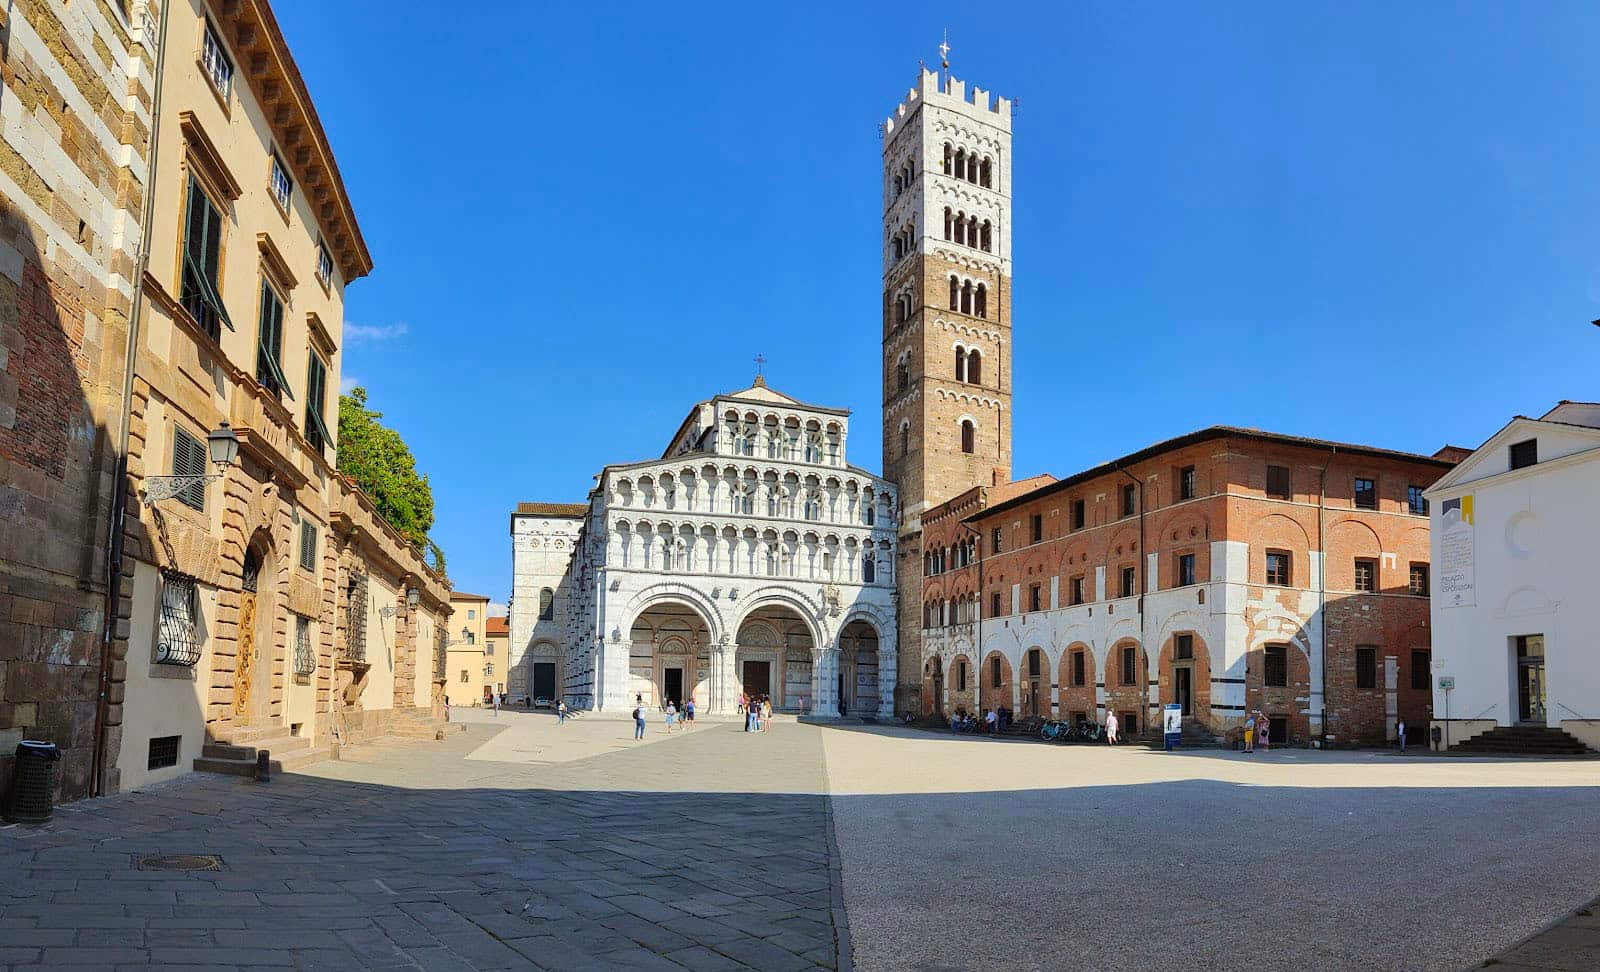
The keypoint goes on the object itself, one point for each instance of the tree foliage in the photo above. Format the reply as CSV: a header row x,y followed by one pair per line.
x,y
379,461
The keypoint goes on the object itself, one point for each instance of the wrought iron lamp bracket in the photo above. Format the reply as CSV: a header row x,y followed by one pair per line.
x,y
157,488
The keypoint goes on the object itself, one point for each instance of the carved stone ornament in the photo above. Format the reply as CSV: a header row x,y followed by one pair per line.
x,y
831,601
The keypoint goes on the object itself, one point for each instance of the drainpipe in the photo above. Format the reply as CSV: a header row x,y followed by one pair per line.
x,y
1139,576
119,489
1322,584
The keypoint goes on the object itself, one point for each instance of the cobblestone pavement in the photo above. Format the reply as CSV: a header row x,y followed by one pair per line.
x,y
651,857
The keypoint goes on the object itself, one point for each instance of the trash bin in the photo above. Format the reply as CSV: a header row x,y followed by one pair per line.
x,y
35,783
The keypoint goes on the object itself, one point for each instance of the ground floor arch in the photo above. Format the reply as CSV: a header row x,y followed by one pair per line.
x,y
995,687
669,654
1127,681
1077,680
933,685
774,658
1185,676
1033,685
858,676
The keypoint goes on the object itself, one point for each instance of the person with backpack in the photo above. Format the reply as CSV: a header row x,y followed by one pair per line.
x,y
638,721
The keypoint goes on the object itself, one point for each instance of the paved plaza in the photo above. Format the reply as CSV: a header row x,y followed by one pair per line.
x,y
521,844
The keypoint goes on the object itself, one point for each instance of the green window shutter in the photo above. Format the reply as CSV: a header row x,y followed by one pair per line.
x,y
316,395
189,459
269,347
202,257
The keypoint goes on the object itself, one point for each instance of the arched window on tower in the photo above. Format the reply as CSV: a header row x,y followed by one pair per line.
x,y
955,292
905,439
902,376
969,435
980,305
984,171
547,604
972,231
974,367
947,222
961,364
869,569
985,237
966,297
947,157
972,169
961,163
961,228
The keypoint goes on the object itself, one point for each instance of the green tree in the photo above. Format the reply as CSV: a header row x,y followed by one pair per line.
x,y
379,461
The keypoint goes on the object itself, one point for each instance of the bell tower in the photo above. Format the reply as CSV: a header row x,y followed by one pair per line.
x,y
946,315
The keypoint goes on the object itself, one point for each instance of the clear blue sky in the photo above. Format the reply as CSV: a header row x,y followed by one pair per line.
x,y
1356,221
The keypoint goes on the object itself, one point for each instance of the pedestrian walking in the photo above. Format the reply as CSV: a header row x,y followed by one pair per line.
x,y
638,721
743,703
688,713
495,701
1111,728
1250,733
1263,732
1400,731
766,713
561,712
991,721
672,716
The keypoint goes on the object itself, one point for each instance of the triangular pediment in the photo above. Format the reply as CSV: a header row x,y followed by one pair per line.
x,y
1489,459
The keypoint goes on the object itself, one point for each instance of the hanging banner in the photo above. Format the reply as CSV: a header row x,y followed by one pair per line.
x,y
1456,555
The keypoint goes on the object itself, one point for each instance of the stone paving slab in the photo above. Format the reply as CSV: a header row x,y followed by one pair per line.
x,y
416,857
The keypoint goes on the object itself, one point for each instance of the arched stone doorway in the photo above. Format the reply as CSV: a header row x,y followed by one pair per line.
x,y
773,658
253,661
933,686
859,693
669,656
1185,676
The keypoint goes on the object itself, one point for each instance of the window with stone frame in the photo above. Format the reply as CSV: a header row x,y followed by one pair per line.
x,y
1183,647
189,458
1035,597
1366,667
316,427
216,62
200,286
1275,666
178,625
1366,575
463,676
1036,528
869,569
1130,501
308,545
278,181
994,605
1128,675
1278,574
1129,580
269,346
1419,579
305,657
324,265
1186,483
1076,587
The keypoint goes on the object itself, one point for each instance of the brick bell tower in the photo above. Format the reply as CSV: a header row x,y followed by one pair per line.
x,y
946,318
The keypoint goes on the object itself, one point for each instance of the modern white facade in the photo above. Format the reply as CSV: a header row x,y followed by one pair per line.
x,y
751,557
1516,616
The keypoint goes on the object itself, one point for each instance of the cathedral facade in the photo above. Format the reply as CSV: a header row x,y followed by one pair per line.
x,y
750,557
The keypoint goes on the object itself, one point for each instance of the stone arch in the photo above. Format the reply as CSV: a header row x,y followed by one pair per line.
x,y
1198,666
1078,699
1034,675
990,694
257,627
668,591
772,596
1354,539
961,682
1127,688
1279,531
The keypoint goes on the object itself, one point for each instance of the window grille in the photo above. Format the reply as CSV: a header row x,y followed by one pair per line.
x,y
189,458
163,752
1419,579
1524,454
177,637
355,638
440,654
305,658
216,62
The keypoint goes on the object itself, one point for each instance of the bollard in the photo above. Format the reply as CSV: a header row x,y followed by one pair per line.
x,y
263,766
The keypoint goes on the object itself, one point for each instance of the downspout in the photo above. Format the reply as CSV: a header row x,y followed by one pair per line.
x,y
119,489
1322,585
1139,576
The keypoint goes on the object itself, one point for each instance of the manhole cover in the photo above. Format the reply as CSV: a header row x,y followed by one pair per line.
x,y
181,862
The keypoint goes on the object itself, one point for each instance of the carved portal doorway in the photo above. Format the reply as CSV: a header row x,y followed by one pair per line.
x,y
247,661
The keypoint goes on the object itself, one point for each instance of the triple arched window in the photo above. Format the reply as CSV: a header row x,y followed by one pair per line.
x,y
903,177
969,366
968,297
967,230
976,169
904,241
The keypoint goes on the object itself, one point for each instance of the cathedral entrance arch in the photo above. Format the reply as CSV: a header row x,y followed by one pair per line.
x,y
773,657
858,670
669,655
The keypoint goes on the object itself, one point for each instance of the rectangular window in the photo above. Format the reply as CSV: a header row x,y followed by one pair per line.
x,y
1366,494
1524,454
1415,501
463,675
994,605
994,672
305,658
1078,668
1419,579
1366,576
1421,670
214,58
1130,502
163,752
199,291
1130,665
1079,514
1077,590
1185,570
472,615
995,546
1127,581
1183,647
178,629
1278,482
316,428
1036,527
1275,666
280,183
961,676
1186,483
269,348
308,545
1366,668
1277,568
324,265
1034,593
189,458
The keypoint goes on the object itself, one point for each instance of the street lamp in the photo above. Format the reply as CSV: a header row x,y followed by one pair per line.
x,y
413,597
223,447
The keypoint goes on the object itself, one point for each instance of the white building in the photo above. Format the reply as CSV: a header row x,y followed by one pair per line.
x,y
749,557
1516,616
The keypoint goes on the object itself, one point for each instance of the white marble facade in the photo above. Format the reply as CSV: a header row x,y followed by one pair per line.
x,y
750,556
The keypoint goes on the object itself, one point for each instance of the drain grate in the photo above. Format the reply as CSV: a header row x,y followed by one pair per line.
x,y
181,862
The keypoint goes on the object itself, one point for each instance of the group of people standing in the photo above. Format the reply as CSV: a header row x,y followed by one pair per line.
x,y
757,712
675,716
1257,732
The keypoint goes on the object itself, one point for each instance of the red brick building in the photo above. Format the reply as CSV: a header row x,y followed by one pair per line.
x,y
1228,570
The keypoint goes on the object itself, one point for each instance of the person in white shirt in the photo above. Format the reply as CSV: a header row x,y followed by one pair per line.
x,y
991,720
1111,728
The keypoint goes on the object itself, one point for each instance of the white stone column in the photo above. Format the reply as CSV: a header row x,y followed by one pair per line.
x,y
888,675
824,683
723,679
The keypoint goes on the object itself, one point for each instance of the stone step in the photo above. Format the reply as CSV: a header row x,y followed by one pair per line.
x,y
303,757
232,767
1522,740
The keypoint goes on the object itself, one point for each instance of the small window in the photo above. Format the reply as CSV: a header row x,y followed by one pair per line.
x,y
163,752
463,675
308,545
1419,579
1366,576
994,605
1421,670
961,676
1278,482
1277,568
1183,647
1366,668
472,639
219,67
1366,494
1035,592
282,186
1524,453
995,546
1036,527
189,459
324,265
1129,500
305,659
1415,502
177,634
1078,668
1077,590
547,604
472,615
869,569
994,672
1185,570
1079,514
1130,665
1186,483
969,435
1275,667
1127,582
